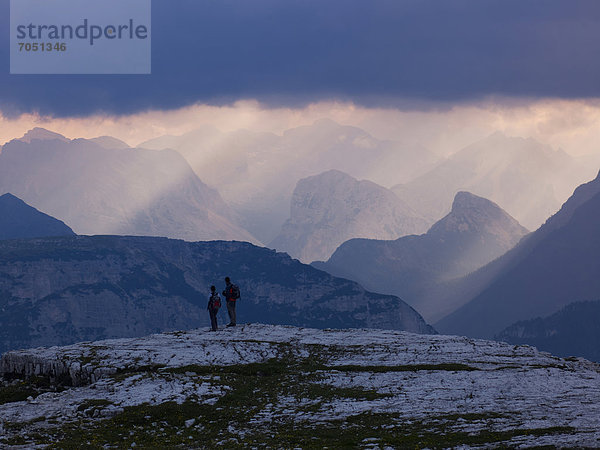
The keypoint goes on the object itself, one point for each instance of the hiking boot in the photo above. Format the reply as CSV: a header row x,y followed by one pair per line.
x,y
231,324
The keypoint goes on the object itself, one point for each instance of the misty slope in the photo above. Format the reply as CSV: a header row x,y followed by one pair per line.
x,y
19,220
63,290
332,207
572,331
264,386
475,232
525,177
257,172
99,190
549,269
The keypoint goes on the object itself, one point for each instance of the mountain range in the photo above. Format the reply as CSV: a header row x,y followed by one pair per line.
x,y
101,186
257,172
69,289
18,220
572,331
526,178
475,232
332,207
549,269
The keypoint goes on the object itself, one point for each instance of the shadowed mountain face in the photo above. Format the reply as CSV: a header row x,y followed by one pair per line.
x,y
19,220
257,172
572,331
64,290
100,190
330,208
528,179
475,232
545,272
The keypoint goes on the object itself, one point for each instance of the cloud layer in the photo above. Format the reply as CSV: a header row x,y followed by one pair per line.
x,y
409,53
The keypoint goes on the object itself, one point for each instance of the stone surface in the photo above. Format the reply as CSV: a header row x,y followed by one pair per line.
x,y
461,390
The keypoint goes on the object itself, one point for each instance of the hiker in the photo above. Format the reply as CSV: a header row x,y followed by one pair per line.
x,y
214,303
231,294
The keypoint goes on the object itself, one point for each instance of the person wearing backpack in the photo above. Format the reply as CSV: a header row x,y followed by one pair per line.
x,y
231,294
214,303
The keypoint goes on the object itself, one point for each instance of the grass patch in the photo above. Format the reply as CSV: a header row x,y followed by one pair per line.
x,y
450,367
31,387
123,374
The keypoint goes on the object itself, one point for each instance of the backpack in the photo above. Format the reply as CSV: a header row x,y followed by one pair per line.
x,y
216,301
235,291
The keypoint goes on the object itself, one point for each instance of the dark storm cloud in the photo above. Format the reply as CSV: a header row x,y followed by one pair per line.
x,y
373,52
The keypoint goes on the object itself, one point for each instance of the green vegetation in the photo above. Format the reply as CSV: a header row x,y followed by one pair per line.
x,y
125,373
21,390
404,368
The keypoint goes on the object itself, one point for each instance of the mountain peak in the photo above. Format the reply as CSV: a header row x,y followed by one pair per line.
x,y
471,213
8,197
19,220
42,134
332,207
332,175
464,200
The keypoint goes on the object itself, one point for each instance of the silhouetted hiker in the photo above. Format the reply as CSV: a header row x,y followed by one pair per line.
x,y
231,294
214,303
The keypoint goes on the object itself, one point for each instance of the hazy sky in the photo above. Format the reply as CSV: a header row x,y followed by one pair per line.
x,y
573,125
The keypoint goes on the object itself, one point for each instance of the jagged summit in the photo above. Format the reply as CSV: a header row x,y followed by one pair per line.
x,y
473,214
42,134
466,200
332,207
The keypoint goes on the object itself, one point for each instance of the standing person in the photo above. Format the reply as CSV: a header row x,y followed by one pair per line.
x,y
231,294
214,303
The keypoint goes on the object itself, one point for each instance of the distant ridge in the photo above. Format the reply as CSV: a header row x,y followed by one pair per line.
x,y
19,220
69,289
99,187
551,268
527,178
109,142
42,134
475,232
572,331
